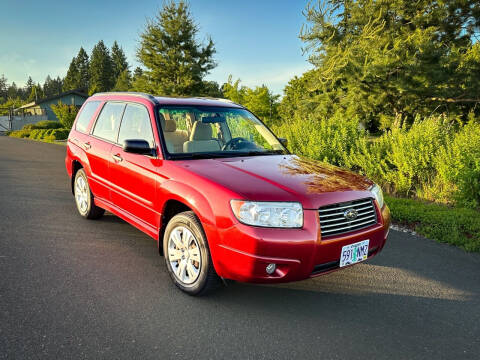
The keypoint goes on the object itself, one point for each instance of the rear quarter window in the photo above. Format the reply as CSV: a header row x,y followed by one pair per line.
x,y
86,115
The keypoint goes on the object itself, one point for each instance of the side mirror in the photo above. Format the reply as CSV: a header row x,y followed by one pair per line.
x,y
283,141
138,147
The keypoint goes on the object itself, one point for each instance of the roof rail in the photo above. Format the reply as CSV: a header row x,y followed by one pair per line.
x,y
138,94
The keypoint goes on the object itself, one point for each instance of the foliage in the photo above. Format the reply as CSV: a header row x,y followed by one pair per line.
x,y
435,159
11,103
52,87
66,114
258,100
388,61
120,64
44,124
44,134
456,226
175,63
124,81
459,166
100,69
329,140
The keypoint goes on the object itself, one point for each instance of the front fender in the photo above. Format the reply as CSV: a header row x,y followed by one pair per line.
x,y
204,209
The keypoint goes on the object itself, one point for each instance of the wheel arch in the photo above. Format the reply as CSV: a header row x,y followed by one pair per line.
x,y
76,165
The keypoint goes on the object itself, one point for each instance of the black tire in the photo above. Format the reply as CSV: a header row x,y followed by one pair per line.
x,y
91,211
208,279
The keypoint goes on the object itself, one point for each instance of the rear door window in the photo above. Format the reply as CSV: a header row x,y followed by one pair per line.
x,y
86,115
108,121
136,125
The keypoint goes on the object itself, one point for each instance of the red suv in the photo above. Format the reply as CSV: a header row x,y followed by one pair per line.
x,y
219,192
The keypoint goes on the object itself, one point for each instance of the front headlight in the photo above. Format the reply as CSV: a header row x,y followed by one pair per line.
x,y
378,193
268,214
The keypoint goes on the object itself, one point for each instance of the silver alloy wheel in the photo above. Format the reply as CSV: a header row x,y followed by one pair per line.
x,y
184,255
81,194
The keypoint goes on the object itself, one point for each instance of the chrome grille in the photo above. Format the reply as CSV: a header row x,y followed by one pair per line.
x,y
334,222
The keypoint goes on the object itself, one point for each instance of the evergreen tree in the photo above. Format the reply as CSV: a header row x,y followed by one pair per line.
x,y
123,82
101,69
388,61
71,81
13,91
36,93
175,62
29,85
82,64
119,60
138,72
3,89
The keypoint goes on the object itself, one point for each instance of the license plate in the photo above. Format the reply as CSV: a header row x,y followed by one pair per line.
x,y
354,253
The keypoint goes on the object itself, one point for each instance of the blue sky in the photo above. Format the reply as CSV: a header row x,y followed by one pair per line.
x,y
256,41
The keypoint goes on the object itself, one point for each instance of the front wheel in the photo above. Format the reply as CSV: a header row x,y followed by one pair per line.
x,y
84,197
187,255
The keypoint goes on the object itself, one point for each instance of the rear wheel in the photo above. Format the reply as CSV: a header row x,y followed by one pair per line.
x,y
84,197
187,255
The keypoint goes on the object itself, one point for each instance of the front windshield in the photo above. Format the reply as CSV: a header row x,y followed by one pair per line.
x,y
201,131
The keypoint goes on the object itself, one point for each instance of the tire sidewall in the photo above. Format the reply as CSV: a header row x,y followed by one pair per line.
x,y
197,231
81,173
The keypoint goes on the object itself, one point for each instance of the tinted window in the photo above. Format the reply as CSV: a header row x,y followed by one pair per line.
x,y
136,125
85,115
108,121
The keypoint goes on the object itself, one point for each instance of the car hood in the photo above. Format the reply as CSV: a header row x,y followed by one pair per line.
x,y
283,178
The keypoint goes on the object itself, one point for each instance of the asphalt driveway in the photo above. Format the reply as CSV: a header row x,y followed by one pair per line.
x,y
73,288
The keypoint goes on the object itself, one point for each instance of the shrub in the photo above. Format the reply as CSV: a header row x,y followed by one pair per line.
x,y
49,124
404,159
20,133
330,140
459,166
65,113
57,134
44,124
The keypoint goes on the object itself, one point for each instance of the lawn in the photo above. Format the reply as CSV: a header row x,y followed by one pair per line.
x,y
452,225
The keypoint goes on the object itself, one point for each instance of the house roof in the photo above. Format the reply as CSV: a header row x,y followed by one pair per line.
x,y
66,93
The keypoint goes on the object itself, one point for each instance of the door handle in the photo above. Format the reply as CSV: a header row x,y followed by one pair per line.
x,y
87,146
117,158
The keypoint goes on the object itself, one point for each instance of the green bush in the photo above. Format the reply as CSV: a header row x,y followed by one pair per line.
x,y
44,124
330,140
459,166
57,134
65,113
435,159
41,134
20,133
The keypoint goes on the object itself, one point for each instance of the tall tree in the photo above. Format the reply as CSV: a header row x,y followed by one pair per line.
x,y
29,86
71,81
101,69
82,63
386,61
175,62
119,60
3,89
260,100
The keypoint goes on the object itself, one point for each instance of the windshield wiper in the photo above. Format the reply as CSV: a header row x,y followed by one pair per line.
x,y
257,152
203,155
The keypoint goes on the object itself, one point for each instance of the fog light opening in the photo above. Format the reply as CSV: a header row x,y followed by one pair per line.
x,y
270,269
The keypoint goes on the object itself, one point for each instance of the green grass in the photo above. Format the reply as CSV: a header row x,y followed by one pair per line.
x,y
452,225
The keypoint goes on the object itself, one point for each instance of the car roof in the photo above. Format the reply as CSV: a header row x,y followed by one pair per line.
x,y
168,100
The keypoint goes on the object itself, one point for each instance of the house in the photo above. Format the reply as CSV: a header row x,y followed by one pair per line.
x,y
42,108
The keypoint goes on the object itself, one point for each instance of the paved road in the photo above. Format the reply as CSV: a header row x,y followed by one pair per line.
x,y
73,288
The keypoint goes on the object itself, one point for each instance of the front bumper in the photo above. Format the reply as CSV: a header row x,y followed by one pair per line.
x,y
243,251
